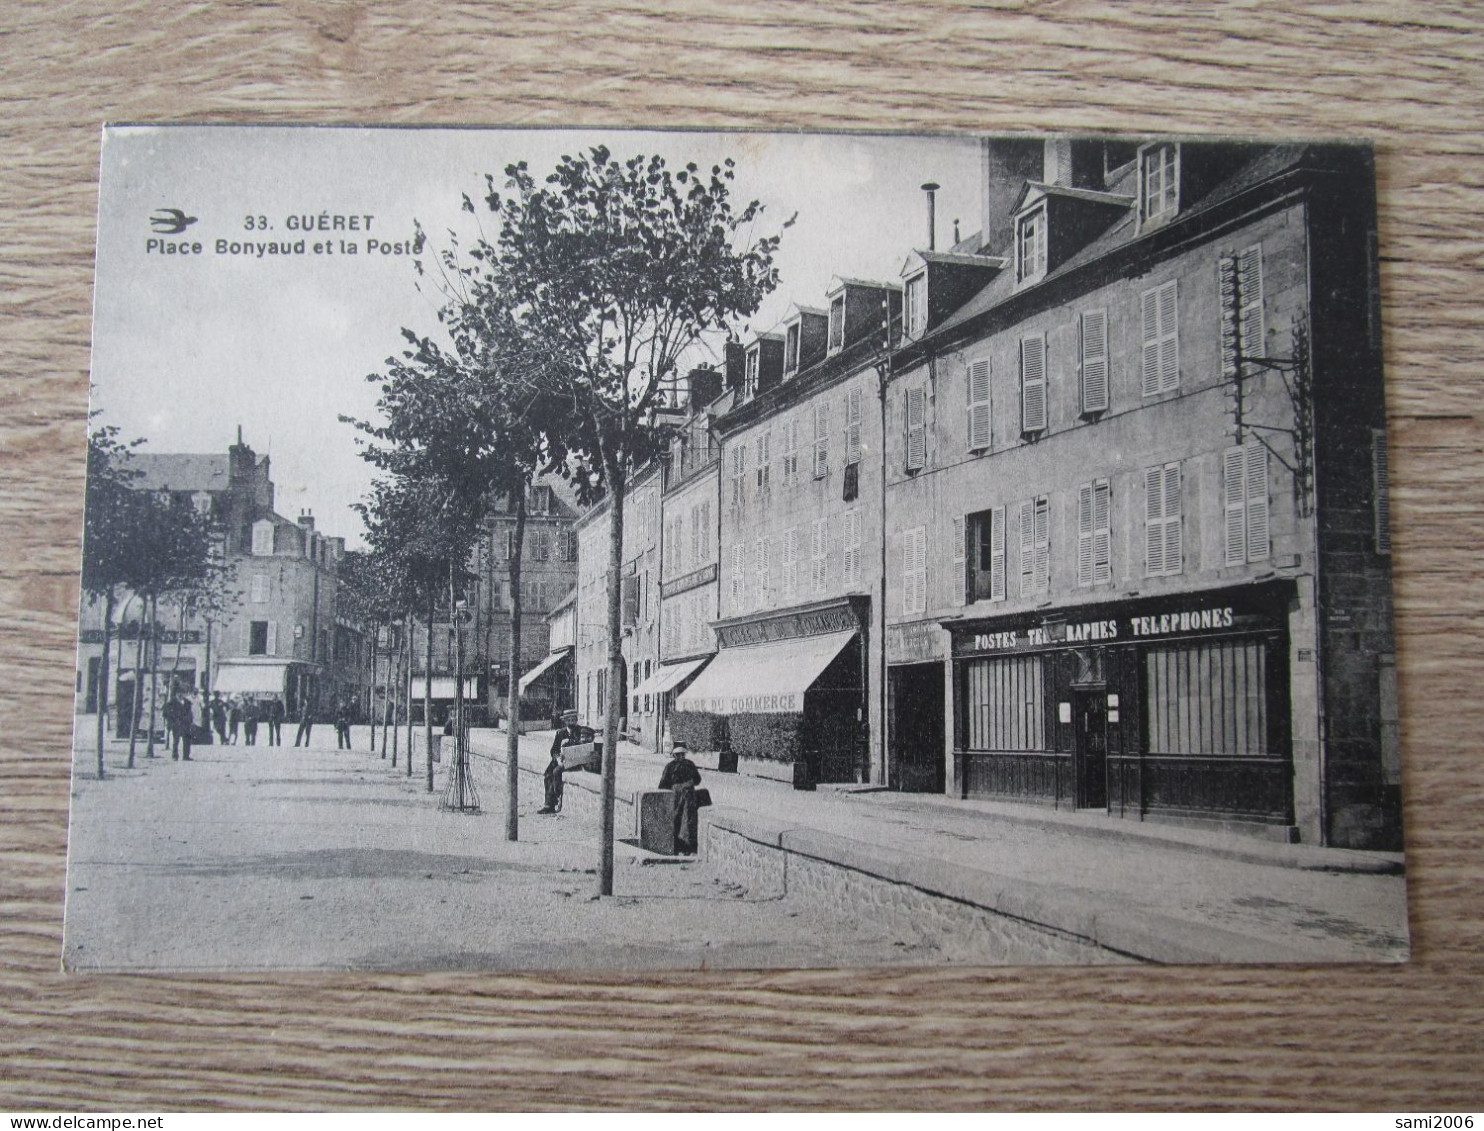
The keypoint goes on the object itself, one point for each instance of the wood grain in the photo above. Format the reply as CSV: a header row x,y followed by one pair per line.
x,y
1408,76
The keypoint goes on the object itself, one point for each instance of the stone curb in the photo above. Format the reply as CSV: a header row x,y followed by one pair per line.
x,y
1096,918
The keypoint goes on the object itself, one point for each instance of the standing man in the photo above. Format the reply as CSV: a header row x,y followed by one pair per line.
x,y
306,722
219,717
681,777
250,721
178,722
275,721
234,719
342,724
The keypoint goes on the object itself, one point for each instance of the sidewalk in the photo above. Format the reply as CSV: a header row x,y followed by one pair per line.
x,y
1157,892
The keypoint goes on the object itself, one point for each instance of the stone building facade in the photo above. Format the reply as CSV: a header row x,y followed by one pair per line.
x,y
1138,553
281,634
640,612
797,676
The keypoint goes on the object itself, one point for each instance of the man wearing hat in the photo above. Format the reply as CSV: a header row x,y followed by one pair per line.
x,y
681,777
569,735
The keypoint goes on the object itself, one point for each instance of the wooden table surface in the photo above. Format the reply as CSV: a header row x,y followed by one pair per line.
x,y
1408,76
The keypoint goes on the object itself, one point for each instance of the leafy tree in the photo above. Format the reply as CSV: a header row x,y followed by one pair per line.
x,y
466,421
619,270
107,544
422,531
173,552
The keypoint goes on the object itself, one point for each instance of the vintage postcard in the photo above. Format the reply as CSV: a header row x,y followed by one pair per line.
x,y
617,550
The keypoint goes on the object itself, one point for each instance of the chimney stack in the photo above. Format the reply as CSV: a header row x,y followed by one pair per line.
x,y
931,189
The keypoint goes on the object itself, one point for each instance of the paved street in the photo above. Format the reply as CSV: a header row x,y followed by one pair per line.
x,y
264,857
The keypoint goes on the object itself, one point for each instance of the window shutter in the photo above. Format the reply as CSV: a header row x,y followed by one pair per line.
x,y
630,601
1154,534
979,405
997,554
1150,337
1234,494
1043,545
790,563
272,638
821,440
818,561
853,426
1095,361
1033,384
1174,538
1226,288
1084,534
735,581
1249,274
1102,532
1257,502
1169,341
852,548
1027,547
916,429
962,569
1161,341
1381,473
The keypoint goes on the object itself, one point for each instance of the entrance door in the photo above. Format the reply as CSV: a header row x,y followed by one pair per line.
x,y
1090,733
916,752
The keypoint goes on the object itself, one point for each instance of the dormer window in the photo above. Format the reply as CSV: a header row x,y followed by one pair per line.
x,y
914,312
1030,246
749,387
791,349
1159,183
837,324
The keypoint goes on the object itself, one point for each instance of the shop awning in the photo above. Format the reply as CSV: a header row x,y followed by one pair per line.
x,y
764,679
669,676
542,669
236,678
445,687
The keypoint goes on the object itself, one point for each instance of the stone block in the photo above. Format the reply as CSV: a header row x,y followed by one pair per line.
x,y
657,821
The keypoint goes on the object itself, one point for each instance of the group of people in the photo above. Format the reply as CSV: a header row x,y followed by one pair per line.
x,y
187,714
680,777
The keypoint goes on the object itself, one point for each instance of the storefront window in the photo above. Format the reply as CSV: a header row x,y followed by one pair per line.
x,y
1208,699
1005,699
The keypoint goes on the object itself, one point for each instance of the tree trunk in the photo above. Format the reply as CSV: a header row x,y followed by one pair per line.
x,y
428,689
103,676
407,693
388,703
512,679
154,674
371,693
615,669
138,680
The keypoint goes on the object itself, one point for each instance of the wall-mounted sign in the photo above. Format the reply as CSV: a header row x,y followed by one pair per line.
x,y
695,577
808,622
1253,610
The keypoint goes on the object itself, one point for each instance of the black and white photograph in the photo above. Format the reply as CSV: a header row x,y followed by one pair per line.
x,y
610,550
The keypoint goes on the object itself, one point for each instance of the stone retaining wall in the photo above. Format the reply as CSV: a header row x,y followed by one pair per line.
x,y
961,932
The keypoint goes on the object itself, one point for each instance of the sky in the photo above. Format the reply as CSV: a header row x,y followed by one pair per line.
x,y
189,345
